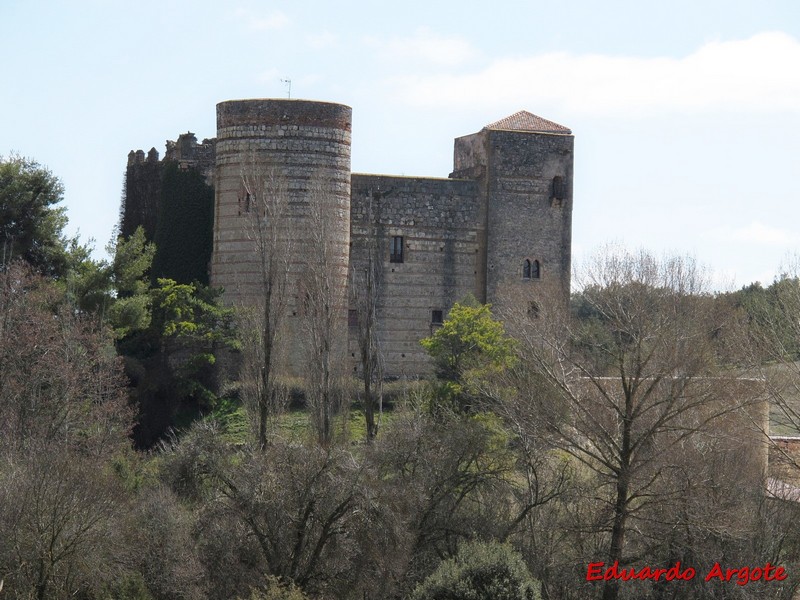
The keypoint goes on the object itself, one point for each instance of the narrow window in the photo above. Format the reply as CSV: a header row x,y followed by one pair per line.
x,y
559,193
244,203
533,310
352,318
526,269
437,317
396,249
535,270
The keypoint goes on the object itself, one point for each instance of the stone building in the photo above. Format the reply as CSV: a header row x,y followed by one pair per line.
x,y
143,179
498,228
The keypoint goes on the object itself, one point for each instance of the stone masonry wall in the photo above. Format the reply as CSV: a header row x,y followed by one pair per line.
x,y
281,139
470,234
439,222
143,179
528,219
302,148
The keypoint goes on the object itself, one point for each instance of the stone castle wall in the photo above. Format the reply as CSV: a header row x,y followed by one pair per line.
x,y
305,148
526,179
143,179
142,195
189,154
438,221
302,151
508,201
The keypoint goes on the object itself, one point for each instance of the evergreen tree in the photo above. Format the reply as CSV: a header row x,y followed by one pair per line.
x,y
31,225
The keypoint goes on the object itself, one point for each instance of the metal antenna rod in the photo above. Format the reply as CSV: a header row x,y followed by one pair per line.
x,y
288,83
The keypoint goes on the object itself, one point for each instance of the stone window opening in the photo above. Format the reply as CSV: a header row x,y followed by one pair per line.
x,y
559,189
533,310
437,320
244,203
531,269
396,249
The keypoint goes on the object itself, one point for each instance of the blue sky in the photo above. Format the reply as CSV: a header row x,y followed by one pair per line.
x,y
686,114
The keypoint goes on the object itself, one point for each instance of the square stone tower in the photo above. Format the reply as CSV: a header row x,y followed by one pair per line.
x,y
523,165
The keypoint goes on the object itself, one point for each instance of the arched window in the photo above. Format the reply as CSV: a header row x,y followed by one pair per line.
x,y
536,270
526,269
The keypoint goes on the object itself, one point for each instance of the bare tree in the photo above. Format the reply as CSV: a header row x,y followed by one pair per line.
x,y
158,544
631,380
63,414
301,504
295,512
59,378
265,205
57,522
322,289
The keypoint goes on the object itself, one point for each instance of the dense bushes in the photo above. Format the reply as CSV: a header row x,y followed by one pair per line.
x,y
480,571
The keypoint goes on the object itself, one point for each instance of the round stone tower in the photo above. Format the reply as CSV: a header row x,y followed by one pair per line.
x,y
297,152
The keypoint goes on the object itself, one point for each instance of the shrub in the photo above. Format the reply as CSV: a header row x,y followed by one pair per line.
x,y
131,587
278,590
480,571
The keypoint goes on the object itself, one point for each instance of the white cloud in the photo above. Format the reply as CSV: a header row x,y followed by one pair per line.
x,y
274,20
757,73
756,233
424,46
322,41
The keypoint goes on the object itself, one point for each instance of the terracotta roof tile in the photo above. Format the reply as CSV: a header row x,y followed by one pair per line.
x,y
525,121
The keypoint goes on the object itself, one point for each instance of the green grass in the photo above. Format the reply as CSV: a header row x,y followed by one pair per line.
x,y
294,425
352,426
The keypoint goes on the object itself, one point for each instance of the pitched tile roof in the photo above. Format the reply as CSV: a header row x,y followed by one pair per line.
x,y
525,121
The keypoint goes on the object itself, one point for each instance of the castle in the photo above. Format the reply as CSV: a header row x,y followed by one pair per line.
x,y
498,228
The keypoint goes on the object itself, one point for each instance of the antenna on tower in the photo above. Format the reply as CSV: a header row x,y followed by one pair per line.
x,y
288,83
